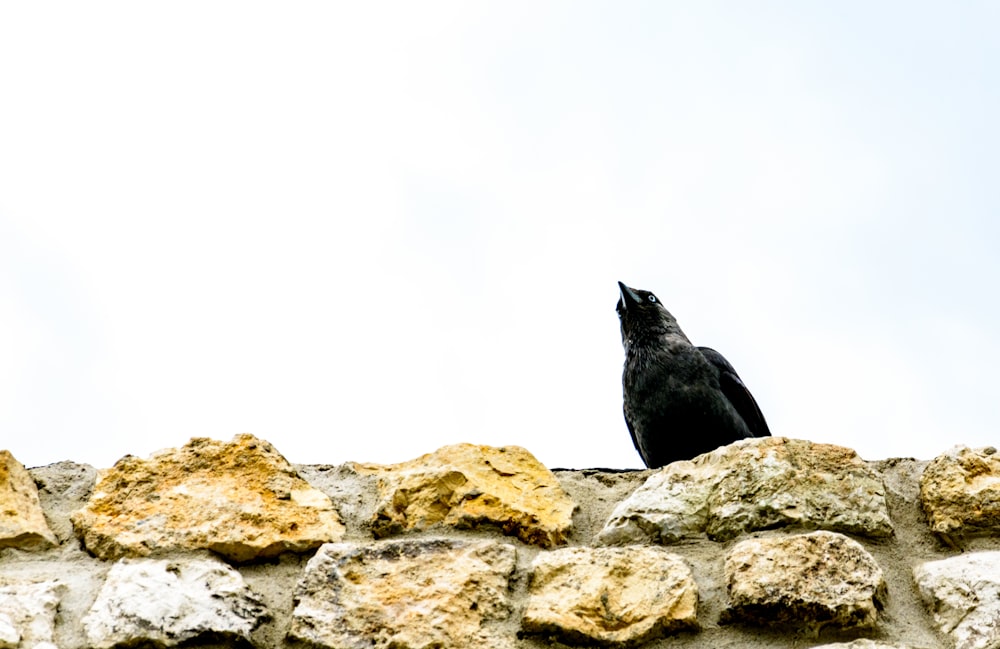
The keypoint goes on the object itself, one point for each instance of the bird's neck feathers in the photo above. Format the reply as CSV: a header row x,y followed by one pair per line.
x,y
659,331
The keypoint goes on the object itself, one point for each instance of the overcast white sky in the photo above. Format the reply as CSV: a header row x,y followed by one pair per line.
x,y
363,231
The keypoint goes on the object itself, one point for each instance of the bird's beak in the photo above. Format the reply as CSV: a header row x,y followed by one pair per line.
x,y
628,295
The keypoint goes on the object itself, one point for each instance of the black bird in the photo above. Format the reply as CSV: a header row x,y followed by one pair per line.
x,y
680,400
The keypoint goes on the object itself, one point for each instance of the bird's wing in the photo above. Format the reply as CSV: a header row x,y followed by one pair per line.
x,y
737,393
631,431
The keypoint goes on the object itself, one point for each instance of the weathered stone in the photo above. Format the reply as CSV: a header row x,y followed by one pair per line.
x,y
811,580
960,491
167,602
863,643
467,486
241,499
610,596
754,484
404,594
10,637
22,523
963,594
28,613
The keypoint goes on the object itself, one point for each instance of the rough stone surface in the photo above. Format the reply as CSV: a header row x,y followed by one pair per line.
x,y
610,596
355,493
815,579
467,486
240,499
63,488
28,613
22,523
10,637
754,484
963,594
404,594
167,602
960,491
864,644
66,487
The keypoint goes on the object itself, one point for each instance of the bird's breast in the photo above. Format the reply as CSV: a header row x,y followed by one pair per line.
x,y
676,365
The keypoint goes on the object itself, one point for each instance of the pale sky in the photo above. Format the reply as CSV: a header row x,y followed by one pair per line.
x,y
363,231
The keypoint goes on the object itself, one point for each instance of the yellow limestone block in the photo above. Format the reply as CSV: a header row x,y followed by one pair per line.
x,y
22,523
467,486
241,499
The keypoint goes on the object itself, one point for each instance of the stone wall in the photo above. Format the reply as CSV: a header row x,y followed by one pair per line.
x,y
765,543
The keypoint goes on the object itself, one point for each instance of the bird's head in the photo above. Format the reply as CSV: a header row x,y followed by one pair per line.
x,y
643,317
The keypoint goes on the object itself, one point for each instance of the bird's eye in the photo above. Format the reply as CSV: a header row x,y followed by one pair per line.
x,y
652,298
